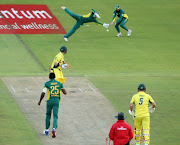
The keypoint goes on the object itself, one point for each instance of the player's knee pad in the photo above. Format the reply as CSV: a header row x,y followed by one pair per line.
x,y
137,135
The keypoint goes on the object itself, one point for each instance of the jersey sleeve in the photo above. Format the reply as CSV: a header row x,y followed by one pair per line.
x,y
87,16
59,59
111,133
45,85
62,86
132,100
114,16
121,14
150,99
98,23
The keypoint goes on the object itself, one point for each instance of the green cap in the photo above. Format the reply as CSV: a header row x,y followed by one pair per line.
x,y
142,87
63,49
117,6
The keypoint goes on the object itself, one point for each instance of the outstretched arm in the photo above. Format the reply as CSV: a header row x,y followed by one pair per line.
x,y
98,23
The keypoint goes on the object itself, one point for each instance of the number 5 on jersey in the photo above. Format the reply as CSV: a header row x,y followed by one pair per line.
x,y
141,101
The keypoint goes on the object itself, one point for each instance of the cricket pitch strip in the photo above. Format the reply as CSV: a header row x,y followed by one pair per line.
x,y
85,115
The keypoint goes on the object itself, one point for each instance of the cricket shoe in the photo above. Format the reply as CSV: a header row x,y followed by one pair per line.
x,y
65,39
129,33
119,35
46,132
53,133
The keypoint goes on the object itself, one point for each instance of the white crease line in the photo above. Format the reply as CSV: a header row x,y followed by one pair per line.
x,y
27,90
13,89
81,90
92,88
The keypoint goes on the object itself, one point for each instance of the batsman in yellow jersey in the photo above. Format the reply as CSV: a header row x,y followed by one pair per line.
x,y
141,102
59,64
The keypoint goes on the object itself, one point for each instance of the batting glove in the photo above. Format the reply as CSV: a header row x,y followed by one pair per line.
x,y
105,25
65,66
151,109
131,112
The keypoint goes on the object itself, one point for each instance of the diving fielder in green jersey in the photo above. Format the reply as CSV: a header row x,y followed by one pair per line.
x,y
122,20
91,17
54,89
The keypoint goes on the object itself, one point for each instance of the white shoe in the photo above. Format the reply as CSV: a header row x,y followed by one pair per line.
x,y
46,132
65,39
119,35
129,33
137,143
145,144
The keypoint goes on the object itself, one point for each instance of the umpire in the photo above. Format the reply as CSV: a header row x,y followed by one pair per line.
x,y
121,133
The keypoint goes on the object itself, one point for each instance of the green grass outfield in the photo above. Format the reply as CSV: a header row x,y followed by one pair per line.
x,y
115,65
15,129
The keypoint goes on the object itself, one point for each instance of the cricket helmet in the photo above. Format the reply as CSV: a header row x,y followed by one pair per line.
x,y
63,49
141,87
117,6
96,14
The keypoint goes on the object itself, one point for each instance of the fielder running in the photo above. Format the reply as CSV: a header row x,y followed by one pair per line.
x,y
122,20
141,101
58,64
54,88
91,17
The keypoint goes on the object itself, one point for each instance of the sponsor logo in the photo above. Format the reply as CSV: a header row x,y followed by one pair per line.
x,y
28,19
121,128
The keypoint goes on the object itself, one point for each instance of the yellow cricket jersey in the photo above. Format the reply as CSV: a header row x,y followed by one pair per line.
x,y
141,101
59,58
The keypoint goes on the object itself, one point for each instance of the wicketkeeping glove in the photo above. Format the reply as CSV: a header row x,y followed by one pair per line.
x,y
151,109
131,112
105,25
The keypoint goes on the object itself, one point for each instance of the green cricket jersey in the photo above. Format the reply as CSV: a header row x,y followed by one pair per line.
x,y
91,18
54,88
119,14
85,18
